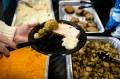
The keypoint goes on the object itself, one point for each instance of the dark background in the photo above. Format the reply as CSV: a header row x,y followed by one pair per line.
x,y
57,66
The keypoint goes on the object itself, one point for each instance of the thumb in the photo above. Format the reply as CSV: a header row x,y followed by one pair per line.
x,y
5,40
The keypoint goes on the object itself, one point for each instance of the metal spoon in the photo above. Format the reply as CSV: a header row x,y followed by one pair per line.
x,y
30,3
106,57
81,7
92,4
86,2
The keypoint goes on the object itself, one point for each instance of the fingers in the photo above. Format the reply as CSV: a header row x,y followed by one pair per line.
x,y
33,25
4,50
5,40
1,55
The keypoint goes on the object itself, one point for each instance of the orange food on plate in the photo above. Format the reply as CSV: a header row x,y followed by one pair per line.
x,y
24,63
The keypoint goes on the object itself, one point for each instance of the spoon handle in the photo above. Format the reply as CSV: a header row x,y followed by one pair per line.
x,y
116,61
84,2
81,7
24,44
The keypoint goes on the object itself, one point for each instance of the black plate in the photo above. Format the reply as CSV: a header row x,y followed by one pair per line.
x,y
53,45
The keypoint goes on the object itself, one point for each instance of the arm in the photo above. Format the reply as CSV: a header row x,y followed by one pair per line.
x,y
12,35
6,37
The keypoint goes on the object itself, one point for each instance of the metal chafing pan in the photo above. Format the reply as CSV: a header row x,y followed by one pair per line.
x,y
47,67
15,14
112,40
64,16
47,60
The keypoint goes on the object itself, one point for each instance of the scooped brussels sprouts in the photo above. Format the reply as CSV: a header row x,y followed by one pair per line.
x,y
87,65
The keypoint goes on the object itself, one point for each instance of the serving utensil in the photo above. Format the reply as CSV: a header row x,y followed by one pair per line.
x,y
83,4
106,57
86,2
30,2
81,7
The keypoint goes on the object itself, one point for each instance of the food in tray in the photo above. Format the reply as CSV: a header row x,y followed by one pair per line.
x,y
40,12
82,24
24,63
92,29
88,27
70,34
91,24
86,12
74,20
69,9
89,17
83,18
87,65
79,11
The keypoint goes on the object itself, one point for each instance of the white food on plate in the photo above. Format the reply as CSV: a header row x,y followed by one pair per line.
x,y
70,42
67,30
70,33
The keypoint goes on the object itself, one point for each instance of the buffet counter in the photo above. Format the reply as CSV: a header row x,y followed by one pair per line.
x,y
57,64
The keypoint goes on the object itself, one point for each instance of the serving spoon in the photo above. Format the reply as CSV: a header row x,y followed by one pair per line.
x,y
106,57
92,4
35,2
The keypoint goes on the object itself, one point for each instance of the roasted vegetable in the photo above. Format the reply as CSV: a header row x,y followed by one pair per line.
x,y
87,65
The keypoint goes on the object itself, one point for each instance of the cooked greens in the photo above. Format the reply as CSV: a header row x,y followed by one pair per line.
x,y
87,65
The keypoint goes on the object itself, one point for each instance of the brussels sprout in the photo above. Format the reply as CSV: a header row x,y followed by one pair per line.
x,y
91,67
75,74
37,36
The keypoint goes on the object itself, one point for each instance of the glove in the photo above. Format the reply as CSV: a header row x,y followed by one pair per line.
x,y
115,17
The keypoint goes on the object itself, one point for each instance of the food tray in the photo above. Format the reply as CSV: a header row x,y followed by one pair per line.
x,y
114,41
47,67
64,16
15,14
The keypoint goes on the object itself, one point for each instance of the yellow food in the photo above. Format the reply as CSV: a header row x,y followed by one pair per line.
x,y
37,36
69,9
23,63
51,24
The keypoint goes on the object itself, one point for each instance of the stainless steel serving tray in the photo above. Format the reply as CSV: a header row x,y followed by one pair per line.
x,y
14,17
47,67
64,16
112,40
48,57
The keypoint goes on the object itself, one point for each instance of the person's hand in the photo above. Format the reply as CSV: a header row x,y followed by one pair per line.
x,y
21,34
3,42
